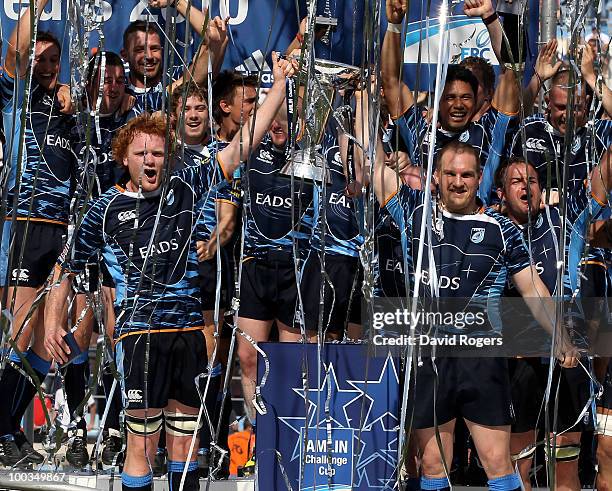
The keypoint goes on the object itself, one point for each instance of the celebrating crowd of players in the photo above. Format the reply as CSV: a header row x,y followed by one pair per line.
x,y
160,219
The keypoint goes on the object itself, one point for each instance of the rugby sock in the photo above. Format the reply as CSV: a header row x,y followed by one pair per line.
x,y
76,376
175,473
161,444
434,483
211,402
23,390
511,482
136,483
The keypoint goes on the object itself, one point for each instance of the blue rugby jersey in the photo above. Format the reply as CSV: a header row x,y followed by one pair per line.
x,y
415,131
341,231
155,268
544,148
48,165
500,138
221,189
152,98
275,214
582,208
96,160
389,263
544,240
474,255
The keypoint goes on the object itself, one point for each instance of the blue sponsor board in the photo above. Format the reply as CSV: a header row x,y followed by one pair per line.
x,y
256,28
326,459
468,37
347,412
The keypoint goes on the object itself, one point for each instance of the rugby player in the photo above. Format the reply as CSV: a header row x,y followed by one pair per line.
x,y
36,226
521,194
332,264
476,247
143,51
276,234
144,227
458,101
103,115
544,145
544,149
215,228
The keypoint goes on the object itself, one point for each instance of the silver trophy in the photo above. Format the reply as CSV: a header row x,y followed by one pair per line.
x,y
329,76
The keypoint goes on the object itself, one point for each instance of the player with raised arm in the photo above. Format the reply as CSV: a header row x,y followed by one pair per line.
x,y
143,51
485,74
144,228
277,229
521,194
458,102
544,145
41,175
475,248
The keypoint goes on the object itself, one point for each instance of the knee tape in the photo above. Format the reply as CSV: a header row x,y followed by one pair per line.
x,y
144,426
567,453
181,424
604,424
526,453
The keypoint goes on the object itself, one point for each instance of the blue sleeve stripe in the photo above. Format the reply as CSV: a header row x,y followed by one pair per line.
x,y
494,158
577,240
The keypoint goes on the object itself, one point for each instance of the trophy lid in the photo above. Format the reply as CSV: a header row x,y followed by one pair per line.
x,y
333,73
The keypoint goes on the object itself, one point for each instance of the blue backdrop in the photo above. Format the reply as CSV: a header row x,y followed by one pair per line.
x,y
363,419
259,26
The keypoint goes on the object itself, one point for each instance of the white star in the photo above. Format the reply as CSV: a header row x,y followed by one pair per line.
x,y
178,231
545,250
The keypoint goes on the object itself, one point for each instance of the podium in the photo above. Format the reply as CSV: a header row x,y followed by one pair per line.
x,y
331,423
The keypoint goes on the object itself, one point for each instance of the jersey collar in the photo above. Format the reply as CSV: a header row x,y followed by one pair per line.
x,y
463,216
133,194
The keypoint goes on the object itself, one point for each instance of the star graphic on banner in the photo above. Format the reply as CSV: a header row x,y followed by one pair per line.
x,y
379,407
338,398
387,483
391,451
362,472
367,452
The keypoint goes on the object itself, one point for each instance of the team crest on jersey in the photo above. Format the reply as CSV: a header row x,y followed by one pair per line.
x,y
464,137
170,197
477,235
539,221
576,145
